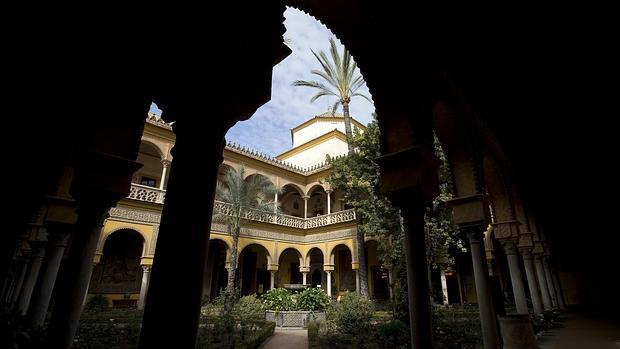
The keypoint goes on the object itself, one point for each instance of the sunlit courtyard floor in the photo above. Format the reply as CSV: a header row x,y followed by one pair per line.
x,y
287,339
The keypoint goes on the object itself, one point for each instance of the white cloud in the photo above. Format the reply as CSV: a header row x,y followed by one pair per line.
x,y
268,130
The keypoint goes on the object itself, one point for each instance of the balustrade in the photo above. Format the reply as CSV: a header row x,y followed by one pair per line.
x,y
155,195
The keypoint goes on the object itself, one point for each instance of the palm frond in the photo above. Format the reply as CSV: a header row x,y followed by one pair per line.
x,y
325,64
334,53
340,72
356,84
363,96
321,94
327,78
336,104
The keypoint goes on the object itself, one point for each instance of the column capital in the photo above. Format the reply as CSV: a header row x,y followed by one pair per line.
x,y
305,197
510,246
526,252
60,210
473,232
166,163
470,209
538,248
304,269
506,229
409,174
273,267
526,239
328,267
146,268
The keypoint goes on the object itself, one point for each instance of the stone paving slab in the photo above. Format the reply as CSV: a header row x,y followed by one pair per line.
x,y
287,339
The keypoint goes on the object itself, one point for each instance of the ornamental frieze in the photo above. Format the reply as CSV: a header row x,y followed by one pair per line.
x,y
134,215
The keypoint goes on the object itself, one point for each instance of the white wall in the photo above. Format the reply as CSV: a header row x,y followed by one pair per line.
x,y
316,154
317,129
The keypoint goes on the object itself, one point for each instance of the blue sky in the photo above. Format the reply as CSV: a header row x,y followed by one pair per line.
x,y
268,130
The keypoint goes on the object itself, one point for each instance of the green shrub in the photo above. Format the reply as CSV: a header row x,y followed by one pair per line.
x,y
352,314
313,335
312,299
223,332
279,299
97,302
457,327
111,328
214,308
258,337
249,307
392,334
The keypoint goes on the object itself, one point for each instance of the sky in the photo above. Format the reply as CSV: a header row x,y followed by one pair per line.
x,y
268,130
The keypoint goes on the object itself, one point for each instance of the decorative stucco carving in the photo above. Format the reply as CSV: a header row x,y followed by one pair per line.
x,y
134,215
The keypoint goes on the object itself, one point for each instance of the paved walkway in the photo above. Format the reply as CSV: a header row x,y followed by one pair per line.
x,y
582,331
287,339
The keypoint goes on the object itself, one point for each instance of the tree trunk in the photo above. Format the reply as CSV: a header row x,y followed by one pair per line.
x,y
361,257
361,251
232,273
230,294
347,126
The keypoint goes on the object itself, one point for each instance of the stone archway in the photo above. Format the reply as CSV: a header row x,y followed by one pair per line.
x,y
119,274
345,278
289,267
216,274
315,260
253,274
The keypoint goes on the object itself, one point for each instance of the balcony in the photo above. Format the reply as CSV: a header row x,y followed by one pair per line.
x,y
145,193
155,195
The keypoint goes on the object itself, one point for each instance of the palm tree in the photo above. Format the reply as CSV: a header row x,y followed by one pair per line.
x,y
342,83
241,194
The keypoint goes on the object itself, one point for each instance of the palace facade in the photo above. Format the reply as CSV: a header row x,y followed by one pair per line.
x,y
309,240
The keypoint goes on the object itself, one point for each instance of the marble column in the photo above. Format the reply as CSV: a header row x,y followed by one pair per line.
x,y
18,279
305,277
144,286
530,273
516,277
542,282
329,201
357,280
305,197
558,287
549,279
77,272
417,276
329,282
34,266
272,281
444,285
488,320
166,165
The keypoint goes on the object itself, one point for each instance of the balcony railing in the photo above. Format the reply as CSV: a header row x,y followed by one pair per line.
x,y
155,195
146,193
286,220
